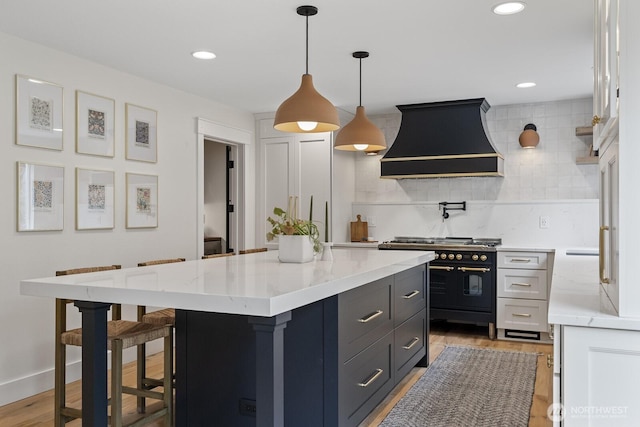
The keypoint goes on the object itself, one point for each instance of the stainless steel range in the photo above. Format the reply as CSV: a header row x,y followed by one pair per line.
x,y
462,277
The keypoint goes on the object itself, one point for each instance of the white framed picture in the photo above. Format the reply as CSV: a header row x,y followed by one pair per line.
x,y
94,199
39,109
95,118
40,197
142,201
141,133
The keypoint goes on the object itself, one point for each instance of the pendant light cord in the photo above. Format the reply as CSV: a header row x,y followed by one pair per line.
x,y
307,48
360,82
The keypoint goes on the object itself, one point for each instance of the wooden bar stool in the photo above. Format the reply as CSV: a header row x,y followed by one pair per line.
x,y
218,255
164,317
121,334
252,251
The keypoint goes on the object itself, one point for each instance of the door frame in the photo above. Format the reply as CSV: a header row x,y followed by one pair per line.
x,y
240,139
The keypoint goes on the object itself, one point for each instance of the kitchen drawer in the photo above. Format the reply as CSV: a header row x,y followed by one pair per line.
x,y
522,283
365,315
526,260
365,380
409,343
522,314
410,294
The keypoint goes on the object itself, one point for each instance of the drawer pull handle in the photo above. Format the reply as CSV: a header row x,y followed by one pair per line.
x,y
440,267
521,284
482,270
520,314
414,341
372,378
520,260
411,294
370,317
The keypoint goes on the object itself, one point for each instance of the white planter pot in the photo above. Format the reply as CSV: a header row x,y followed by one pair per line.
x,y
295,249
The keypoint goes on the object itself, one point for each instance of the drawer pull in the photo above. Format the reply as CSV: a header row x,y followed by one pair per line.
x,y
372,378
520,260
411,294
414,341
521,284
370,317
520,314
482,270
440,267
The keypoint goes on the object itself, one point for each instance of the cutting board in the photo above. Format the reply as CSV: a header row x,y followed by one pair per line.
x,y
359,230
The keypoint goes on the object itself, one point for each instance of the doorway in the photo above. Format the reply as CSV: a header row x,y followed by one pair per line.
x,y
220,182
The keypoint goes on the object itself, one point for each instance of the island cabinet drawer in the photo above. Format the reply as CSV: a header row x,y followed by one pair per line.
x,y
365,380
410,293
522,314
365,315
526,260
522,283
409,343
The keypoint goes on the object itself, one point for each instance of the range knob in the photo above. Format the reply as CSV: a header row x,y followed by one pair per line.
x,y
443,256
451,256
459,257
483,257
474,257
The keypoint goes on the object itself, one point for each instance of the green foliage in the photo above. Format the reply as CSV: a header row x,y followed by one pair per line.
x,y
283,223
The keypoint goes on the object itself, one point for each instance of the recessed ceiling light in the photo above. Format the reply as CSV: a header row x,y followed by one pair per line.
x,y
509,8
203,54
525,85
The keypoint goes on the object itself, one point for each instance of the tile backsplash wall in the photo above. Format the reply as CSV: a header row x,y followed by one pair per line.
x,y
548,172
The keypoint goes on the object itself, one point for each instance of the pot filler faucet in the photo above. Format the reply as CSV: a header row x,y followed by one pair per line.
x,y
451,206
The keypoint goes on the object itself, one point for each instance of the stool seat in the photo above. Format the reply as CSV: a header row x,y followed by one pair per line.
x,y
162,317
130,333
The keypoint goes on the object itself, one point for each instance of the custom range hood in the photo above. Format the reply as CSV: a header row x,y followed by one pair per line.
x,y
443,139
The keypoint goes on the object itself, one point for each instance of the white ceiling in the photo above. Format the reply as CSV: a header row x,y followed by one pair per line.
x,y
421,50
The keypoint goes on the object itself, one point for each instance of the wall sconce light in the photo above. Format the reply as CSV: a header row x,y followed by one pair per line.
x,y
529,137
306,110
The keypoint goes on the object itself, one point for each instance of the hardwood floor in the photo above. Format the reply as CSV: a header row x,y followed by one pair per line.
x,y
38,410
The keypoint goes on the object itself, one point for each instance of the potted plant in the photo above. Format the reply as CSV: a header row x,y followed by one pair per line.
x,y
298,239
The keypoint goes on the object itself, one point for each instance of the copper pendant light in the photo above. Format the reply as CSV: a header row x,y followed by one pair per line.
x,y
529,137
360,134
306,110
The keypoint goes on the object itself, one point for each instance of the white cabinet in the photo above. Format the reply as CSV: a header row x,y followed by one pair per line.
x,y
292,165
523,291
609,225
605,82
598,377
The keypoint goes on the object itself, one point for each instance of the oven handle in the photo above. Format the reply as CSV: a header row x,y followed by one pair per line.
x,y
482,270
440,267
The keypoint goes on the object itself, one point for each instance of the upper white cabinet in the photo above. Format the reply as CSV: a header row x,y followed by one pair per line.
x,y
292,165
606,61
609,222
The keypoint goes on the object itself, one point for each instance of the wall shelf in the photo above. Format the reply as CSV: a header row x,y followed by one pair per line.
x,y
584,130
587,160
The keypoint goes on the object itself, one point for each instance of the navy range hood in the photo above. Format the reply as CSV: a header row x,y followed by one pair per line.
x,y
443,139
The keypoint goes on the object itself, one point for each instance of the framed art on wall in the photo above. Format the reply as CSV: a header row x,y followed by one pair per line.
x,y
38,113
142,201
40,197
94,124
94,199
141,133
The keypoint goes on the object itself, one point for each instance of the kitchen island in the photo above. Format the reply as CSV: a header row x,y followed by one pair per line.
x,y
273,336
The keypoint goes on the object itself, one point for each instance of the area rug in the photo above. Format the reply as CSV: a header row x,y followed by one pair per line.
x,y
467,386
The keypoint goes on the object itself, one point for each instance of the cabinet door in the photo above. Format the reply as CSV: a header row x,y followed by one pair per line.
x,y
600,377
278,172
314,160
605,93
609,233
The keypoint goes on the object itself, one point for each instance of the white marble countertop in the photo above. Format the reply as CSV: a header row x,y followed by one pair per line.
x,y
577,299
254,284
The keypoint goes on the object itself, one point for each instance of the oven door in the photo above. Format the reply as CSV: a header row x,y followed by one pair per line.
x,y
461,287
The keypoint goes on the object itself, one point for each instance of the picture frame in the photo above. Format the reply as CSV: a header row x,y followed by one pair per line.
x,y
141,133
94,199
40,197
142,201
95,123
39,112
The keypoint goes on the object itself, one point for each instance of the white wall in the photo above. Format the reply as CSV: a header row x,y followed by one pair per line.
x,y
544,181
26,353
